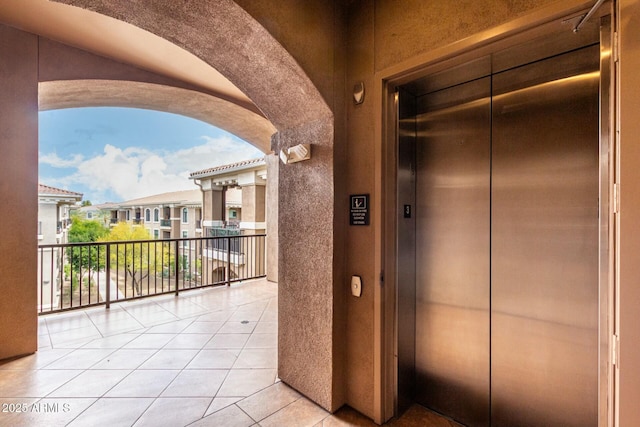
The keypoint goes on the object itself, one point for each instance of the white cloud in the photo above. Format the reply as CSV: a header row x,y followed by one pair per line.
x,y
53,160
137,172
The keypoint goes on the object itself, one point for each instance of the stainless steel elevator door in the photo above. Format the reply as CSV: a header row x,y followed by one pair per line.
x,y
506,246
544,244
452,252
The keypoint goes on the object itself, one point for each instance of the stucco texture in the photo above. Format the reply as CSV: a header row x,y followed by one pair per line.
x,y
19,189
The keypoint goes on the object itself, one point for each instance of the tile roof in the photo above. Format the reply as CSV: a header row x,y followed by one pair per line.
x,y
230,167
185,197
48,190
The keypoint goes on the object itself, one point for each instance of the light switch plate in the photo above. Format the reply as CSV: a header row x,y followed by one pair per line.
x,y
356,286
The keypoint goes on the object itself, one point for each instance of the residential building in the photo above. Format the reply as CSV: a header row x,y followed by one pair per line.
x,y
234,194
54,220
234,200
344,77
171,215
100,212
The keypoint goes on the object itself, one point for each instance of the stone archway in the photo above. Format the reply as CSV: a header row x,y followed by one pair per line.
x,y
229,39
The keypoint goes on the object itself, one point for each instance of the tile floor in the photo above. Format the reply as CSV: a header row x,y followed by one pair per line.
x,y
205,358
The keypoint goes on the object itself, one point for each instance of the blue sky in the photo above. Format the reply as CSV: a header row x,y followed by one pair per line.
x,y
117,154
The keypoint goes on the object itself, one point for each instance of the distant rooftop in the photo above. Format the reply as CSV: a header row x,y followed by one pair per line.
x,y
245,164
46,190
185,197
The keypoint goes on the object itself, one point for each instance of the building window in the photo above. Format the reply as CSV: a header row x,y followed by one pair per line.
x,y
156,234
185,215
233,213
185,243
156,215
89,215
147,215
128,215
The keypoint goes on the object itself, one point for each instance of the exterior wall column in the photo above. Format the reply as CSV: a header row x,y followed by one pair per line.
x,y
213,205
273,163
19,189
253,218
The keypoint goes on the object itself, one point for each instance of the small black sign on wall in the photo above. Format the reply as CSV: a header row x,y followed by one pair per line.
x,y
359,212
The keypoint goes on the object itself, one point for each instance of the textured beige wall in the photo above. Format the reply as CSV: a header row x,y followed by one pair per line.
x,y
630,213
361,180
409,27
19,189
253,203
312,286
273,163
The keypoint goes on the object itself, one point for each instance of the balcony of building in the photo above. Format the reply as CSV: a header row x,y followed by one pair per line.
x,y
204,358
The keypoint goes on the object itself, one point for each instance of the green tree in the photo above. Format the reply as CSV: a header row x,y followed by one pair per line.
x,y
137,259
86,259
86,203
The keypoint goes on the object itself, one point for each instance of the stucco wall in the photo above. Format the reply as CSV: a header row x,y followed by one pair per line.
x,y
19,189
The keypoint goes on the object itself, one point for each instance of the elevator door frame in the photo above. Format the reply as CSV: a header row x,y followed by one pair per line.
x,y
513,34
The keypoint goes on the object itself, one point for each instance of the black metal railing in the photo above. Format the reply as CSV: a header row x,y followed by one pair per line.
x,y
78,275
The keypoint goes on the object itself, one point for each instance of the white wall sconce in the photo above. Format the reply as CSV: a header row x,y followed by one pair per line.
x,y
296,153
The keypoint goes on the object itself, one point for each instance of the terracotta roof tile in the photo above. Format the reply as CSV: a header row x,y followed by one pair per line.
x,y
46,189
232,166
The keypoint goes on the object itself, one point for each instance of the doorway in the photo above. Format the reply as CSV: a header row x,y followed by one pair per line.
x,y
501,191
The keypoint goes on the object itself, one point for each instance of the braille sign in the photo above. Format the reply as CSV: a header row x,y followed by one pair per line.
x,y
359,212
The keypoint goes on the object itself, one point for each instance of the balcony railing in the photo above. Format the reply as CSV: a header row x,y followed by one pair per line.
x,y
165,223
78,275
114,220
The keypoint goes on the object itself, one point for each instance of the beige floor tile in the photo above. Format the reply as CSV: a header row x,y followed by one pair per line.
x,y
216,316
189,341
80,359
37,360
251,315
231,416
213,359
118,327
257,358
91,383
227,341
203,328
155,318
114,341
219,403
156,341
112,412
169,359
174,327
142,383
33,383
262,341
245,382
266,328
196,383
268,401
125,359
66,322
45,412
85,333
301,413
104,315
173,412
237,327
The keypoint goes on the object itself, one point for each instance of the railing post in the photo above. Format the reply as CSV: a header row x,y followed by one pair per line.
x,y
176,263
108,272
228,260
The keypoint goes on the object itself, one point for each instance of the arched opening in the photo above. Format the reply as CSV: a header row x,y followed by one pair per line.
x,y
248,56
